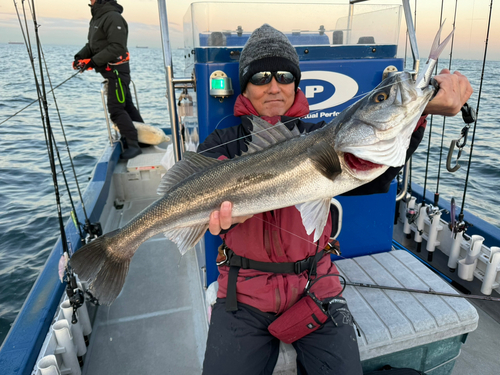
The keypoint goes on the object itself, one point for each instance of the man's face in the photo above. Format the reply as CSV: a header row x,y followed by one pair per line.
x,y
273,99
92,2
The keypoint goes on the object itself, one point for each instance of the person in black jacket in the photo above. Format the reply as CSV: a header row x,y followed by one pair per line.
x,y
106,52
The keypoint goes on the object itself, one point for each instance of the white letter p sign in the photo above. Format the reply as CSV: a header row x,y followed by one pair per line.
x,y
311,90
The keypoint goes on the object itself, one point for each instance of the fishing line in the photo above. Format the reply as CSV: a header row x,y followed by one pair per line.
x,y
294,119
293,234
69,156
47,138
430,122
36,100
74,294
436,194
461,215
50,135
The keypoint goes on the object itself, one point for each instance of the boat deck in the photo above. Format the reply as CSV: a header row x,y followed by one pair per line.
x,y
158,324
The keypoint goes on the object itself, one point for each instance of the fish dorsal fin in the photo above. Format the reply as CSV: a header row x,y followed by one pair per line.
x,y
314,216
265,134
325,159
190,164
187,237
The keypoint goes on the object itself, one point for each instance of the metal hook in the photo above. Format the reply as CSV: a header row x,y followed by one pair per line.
x,y
456,167
469,116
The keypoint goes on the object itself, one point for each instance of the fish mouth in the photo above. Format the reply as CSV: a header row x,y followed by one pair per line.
x,y
358,164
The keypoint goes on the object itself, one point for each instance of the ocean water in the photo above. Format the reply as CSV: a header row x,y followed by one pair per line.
x,y
28,216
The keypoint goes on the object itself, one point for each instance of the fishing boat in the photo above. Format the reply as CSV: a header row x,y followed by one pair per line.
x,y
409,264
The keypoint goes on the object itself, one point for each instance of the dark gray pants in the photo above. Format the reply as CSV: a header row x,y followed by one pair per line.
x,y
239,343
121,108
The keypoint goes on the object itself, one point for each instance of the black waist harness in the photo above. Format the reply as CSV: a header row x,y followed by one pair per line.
x,y
235,262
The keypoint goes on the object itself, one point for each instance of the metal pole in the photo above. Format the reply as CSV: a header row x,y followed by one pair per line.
x,y
404,188
167,59
413,38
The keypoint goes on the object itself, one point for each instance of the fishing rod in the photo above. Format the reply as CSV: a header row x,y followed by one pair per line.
x,y
74,294
461,215
436,194
91,229
430,128
421,291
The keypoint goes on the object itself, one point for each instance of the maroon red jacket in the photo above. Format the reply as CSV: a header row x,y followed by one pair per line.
x,y
279,235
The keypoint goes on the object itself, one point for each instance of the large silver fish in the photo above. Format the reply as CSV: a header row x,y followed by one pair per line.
x,y
281,168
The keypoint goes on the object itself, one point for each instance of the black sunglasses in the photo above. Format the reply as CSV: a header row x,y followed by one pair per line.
x,y
263,78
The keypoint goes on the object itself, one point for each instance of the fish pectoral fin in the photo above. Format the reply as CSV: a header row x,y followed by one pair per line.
x,y
314,215
325,159
186,237
265,135
184,168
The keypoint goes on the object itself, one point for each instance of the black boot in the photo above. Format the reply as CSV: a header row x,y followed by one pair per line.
x,y
132,151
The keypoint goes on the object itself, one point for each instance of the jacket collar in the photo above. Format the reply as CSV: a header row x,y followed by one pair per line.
x,y
299,108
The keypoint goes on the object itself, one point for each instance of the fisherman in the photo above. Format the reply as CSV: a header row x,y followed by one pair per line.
x,y
106,52
249,300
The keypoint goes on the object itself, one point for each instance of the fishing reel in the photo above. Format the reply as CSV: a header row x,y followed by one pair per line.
x,y
93,230
75,296
459,226
432,211
411,214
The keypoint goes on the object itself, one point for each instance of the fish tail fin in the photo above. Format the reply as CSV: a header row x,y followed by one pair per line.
x,y
105,270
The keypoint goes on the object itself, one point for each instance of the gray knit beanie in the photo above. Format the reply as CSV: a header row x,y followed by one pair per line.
x,y
268,49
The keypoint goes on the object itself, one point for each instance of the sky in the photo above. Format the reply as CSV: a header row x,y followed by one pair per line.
x,y
66,22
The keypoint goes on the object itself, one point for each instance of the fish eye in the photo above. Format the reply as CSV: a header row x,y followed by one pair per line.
x,y
380,97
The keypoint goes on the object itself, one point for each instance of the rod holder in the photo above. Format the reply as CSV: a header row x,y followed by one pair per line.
x,y
492,269
410,207
422,214
84,316
64,339
455,251
433,232
467,266
48,365
76,328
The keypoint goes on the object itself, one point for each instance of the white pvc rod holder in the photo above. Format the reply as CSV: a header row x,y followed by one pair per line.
x,y
64,339
433,232
467,266
76,328
491,271
422,213
48,365
84,316
410,205
455,251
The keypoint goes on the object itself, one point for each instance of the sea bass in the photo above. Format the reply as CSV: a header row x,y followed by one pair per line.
x,y
281,168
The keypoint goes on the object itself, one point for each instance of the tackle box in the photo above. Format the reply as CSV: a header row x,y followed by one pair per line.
x,y
402,329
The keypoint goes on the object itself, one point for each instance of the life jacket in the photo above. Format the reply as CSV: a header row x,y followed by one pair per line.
x,y
276,236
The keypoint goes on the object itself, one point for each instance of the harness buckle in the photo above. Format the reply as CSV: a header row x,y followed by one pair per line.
x,y
222,255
